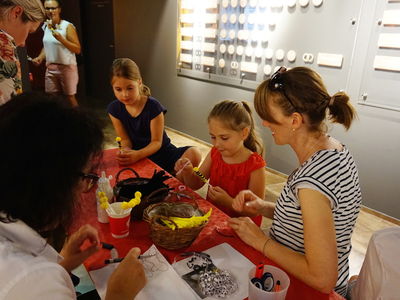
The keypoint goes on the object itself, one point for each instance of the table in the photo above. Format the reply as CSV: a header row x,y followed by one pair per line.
x,y
139,231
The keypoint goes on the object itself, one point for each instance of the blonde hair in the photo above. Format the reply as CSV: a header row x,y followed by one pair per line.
x,y
128,69
302,90
237,116
33,9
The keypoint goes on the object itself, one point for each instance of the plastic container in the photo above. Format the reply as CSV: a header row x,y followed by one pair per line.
x,y
256,293
119,220
103,185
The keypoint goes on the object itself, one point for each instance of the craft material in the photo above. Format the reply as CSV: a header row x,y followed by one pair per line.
x,y
104,190
273,284
119,259
133,202
179,172
224,257
191,222
200,175
118,140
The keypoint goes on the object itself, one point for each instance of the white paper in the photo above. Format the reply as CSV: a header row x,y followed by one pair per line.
x,y
225,258
162,281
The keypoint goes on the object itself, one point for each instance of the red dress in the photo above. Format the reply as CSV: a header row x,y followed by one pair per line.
x,y
233,178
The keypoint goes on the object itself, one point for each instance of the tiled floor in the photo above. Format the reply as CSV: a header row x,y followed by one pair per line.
x,y
366,224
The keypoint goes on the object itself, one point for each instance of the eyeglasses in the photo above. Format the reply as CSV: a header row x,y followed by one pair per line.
x,y
51,8
90,180
276,84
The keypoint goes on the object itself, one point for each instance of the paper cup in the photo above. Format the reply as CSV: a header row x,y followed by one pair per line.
x,y
256,293
120,221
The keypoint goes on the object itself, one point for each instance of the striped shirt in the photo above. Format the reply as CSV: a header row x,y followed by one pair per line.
x,y
334,174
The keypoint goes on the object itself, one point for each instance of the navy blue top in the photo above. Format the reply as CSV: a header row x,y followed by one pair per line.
x,y
138,128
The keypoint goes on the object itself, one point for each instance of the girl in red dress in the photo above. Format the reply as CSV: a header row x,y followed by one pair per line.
x,y
234,162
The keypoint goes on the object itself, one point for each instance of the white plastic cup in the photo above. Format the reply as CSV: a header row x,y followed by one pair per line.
x,y
119,220
256,293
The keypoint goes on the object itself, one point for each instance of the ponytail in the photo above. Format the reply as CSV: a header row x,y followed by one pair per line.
x,y
340,110
252,142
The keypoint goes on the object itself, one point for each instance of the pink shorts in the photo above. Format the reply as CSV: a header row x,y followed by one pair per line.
x,y
61,79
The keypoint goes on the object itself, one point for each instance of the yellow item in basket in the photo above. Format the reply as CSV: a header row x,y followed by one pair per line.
x,y
187,222
133,202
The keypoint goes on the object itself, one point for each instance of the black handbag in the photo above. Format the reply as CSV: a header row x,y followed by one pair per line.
x,y
153,190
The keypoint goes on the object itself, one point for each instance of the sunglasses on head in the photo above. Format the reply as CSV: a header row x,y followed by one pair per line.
x,y
276,84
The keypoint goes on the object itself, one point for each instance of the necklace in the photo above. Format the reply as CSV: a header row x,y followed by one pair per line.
x,y
314,148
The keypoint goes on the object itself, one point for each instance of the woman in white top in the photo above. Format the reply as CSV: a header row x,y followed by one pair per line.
x,y
60,44
314,217
40,193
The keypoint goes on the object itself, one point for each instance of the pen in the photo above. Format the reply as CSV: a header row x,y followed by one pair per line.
x,y
278,286
119,259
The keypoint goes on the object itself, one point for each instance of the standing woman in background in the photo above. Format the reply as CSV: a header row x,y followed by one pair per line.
x,y
60,44
18,18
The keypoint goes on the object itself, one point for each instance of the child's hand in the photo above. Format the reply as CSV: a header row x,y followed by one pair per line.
x,y
219,196
127,156
183,165
248,203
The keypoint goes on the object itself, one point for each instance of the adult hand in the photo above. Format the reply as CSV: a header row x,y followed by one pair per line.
x,y
72,252
127,156
128,278
248,232
37,61
219,195
57,35
248,203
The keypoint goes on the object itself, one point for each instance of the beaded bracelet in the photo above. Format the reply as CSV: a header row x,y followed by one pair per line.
x,y
265,244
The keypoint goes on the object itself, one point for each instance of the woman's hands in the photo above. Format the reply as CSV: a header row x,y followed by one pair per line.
x,y
247,203
248,232
128,278
72,250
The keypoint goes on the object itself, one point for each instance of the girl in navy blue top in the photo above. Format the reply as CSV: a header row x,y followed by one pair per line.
x,y
138,119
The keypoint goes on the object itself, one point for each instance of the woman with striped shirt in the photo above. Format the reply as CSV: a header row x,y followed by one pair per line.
x,y
314,217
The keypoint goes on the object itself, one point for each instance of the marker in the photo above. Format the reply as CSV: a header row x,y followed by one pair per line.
x,y
259,270
119,259
277,286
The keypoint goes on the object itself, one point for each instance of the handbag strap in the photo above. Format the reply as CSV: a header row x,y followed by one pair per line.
x,y
125,169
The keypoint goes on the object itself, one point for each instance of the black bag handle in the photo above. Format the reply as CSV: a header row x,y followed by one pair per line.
x,y
125,169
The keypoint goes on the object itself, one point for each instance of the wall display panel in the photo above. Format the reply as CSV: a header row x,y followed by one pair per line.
x,y
241,43
380,82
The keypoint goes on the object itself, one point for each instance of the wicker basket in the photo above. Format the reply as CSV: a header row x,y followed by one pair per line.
x,y
166,237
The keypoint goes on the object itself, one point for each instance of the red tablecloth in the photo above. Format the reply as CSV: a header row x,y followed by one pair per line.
x,y
139,230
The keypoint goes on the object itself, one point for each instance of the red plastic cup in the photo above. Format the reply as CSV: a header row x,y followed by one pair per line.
x,y
119,220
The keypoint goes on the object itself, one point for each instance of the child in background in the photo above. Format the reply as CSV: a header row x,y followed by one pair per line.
x,y
138,119
234,163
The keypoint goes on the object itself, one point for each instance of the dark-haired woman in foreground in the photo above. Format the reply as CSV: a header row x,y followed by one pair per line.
x,y
314,217
47,159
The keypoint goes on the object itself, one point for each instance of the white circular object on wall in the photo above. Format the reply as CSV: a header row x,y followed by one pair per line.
x,y
249,51
242,18
291,3
280,54
245,34
243,3
267,69
231,49
253,3
222,33
256,36
317,3
291,55
234,3
232,19
224,18
264,37
241,34
221,63
251,19
234,64
232,34
269,53
258,52
222,48
304,3
239,50
225,3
